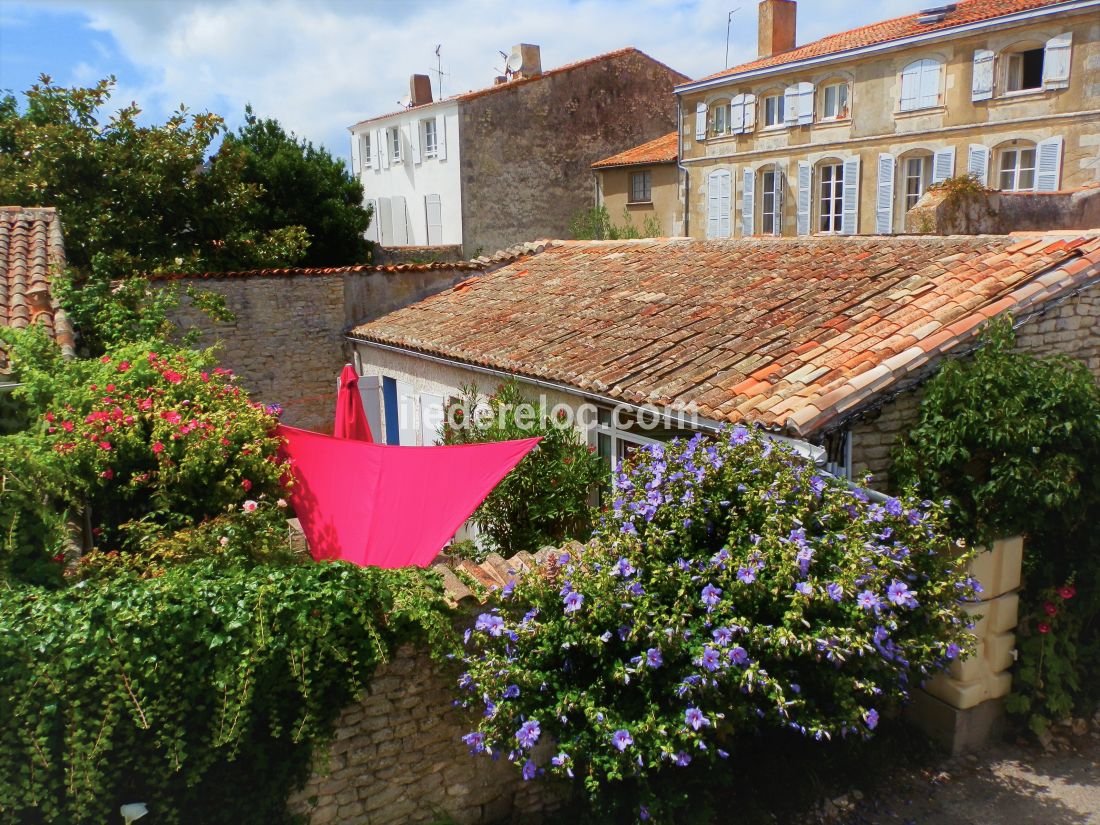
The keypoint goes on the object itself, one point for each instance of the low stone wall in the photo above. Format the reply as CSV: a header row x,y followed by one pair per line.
x,y
998,213
398,758
416,254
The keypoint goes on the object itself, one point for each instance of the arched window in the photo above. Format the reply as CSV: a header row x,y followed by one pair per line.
x,y
1015,165
720,118
920,85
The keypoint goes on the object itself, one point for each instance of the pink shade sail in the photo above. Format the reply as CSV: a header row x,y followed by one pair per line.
x,y
351,419
384,506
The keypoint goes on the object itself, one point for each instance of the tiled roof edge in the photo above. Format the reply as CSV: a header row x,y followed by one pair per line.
x,y
491,574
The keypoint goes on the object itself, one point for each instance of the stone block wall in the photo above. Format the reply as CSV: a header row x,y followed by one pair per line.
x,y
998,213
384,255
398,758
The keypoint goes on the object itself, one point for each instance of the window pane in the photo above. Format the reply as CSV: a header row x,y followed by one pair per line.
x,y
830,101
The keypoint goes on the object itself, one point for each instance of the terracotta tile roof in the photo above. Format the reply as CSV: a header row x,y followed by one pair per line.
x,y
514,84
966,11
659,150
31,252
790,333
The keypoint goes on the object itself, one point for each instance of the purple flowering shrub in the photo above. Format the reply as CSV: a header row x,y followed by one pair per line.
x,y
729,588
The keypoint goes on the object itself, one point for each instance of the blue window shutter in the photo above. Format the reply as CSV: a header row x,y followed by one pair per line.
x,y
389,404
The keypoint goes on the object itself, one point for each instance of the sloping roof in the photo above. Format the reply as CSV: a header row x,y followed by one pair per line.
x,y
31,252
515,84
790,333
966,11
658,150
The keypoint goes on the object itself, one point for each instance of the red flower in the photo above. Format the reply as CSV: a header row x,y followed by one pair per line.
x,y
67,426
104,445
158,447
246,484
1043,627
123,366
49,416
107,474
106,359
171,416
1050,609
172,376
59,558
1067,591
110,388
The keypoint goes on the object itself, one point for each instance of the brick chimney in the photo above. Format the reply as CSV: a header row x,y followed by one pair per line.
x,y
775,27
420,89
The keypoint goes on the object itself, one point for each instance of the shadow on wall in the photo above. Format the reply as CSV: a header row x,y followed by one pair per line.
x,y
942,212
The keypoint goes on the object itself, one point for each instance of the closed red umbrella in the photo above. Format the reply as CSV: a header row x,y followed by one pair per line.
x,y
351,419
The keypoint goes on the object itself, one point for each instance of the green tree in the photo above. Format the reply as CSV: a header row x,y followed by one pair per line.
x,y
302,185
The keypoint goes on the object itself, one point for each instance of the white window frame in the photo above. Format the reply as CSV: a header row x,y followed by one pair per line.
x,y
917,76
429,137
393,141
721,112
1014,71
1018,169
366,159
923,178
771,207
619,439
840,108
834,214
773,113
647,177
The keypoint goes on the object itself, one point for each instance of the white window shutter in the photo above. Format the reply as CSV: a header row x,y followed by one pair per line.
x,y
748,201
790,106
414,141
910,88
433,212
884,195
385,222
802,224
408,422
440,138
977,163
700,121
370,391
375,149
1048,163
1056,58
943,164
849,223
805,103
929,84
750,113
737,114
431,418
372,227
713,201
384,147
356,163
725,204
780,186
981,87
400,221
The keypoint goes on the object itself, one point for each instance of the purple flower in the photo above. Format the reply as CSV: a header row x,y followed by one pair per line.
x,y
562,761
643,813
740,436
953,651
871,718
511,692
528,733
817,485
738,656
709,659
681,760
867,600
573,602
899,594
529,769
722,635
805,556
653,657
475,742
835,591
805,588
746,575
624,568
695,718
893,507
710,595
488,623
506,593
622,739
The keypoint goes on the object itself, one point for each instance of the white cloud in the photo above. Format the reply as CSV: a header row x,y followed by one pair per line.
x,y
319,66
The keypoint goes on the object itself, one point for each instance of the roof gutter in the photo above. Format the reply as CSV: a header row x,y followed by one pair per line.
x,y
811,452
889,45
680,164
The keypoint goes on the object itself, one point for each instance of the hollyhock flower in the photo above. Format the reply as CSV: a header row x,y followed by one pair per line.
x,y
246,484
738,656
740,436
573,602
653,657
1067,591
622,739
158,447
710,595
488,623
868,600
249,506
722,635
898,593
695,718
624,568
1050,609
1043,627
528,733
709,659
746,575
475,742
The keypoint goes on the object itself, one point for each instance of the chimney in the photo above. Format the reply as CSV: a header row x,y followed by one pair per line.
x,y
420,89
775,27
530,61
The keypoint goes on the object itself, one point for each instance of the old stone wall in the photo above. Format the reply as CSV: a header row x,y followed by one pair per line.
x,y
1071,327
998,213
531,184
415,254
287,341
398,758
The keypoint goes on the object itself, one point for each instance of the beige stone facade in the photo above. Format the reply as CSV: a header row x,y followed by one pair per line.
x,y
621,192
877,125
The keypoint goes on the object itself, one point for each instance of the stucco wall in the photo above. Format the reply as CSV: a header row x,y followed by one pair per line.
x,y
1071,328
877,126
665,205
527,152
398,757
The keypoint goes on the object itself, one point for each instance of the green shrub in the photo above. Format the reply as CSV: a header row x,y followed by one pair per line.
x,y
729,589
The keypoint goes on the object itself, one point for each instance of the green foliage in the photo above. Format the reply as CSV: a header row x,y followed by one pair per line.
x,y
595,225
301,186
203,692
728,590
545,499
1014,441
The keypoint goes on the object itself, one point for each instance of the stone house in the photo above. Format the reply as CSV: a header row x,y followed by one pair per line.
x,y
845,134
825,341
509,163
642,185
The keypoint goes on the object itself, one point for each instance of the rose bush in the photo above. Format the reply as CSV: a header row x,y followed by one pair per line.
x,y
729,588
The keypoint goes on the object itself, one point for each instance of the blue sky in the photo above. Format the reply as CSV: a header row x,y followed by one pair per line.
x,y
320,65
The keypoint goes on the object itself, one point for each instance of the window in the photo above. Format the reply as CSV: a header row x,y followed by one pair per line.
x,y
920,85
917,173
835,102
431,144
831,200
1025,70
1017,169
368,161
718,204
773,110
721,118
770,217
393,135
640,183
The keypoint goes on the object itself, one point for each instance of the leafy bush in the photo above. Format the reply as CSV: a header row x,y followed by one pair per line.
x,y
729,589
1014,441
595,225
545,499
203,692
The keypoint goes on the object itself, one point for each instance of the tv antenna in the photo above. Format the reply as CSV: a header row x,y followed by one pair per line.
x,y
729,19
438,70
